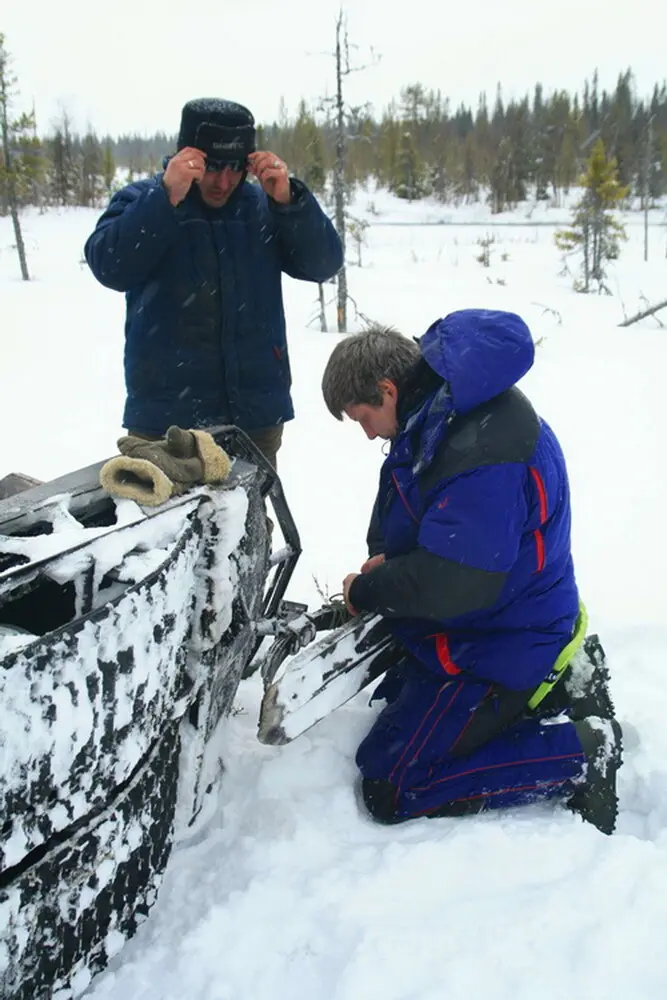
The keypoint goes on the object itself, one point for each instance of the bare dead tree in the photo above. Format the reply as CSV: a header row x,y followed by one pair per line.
x,y
357,230
323,303
323,310
6,83
646,186
341,114
339,165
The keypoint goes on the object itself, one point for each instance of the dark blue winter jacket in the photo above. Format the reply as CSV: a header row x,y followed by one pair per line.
x,y
205,335
473,512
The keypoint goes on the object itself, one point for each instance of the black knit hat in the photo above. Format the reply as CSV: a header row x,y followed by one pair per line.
x,y
223,130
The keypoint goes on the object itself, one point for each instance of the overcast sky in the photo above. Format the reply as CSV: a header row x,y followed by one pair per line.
x,y
129,65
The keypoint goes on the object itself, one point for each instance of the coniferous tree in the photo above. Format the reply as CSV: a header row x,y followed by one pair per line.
x,y
408,180
92,169
307,156
595,232
29,161
108,168
363,148
65,170
388,144
534,147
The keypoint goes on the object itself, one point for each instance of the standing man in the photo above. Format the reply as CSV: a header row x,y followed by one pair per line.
x,y
199,252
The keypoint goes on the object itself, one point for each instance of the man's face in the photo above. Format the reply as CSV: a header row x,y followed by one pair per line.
x,y
216,186
377,421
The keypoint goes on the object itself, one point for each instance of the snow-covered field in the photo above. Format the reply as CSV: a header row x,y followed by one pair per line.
x,y
287,890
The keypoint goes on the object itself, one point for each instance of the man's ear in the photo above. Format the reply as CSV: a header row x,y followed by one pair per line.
x,y
386,386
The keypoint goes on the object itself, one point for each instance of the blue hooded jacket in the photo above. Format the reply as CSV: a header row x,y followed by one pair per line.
x,y
473,511
205,339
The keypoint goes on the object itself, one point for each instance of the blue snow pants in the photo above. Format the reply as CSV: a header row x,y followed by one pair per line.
x,y
414,748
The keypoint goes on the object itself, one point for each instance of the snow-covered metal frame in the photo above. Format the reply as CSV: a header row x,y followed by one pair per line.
x,y
126,633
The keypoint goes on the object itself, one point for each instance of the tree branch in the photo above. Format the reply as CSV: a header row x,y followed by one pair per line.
x,y
644,314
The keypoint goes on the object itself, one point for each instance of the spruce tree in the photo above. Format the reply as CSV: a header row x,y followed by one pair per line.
x,y
108,168
595,233
29,162
408,180
65,170
92,168
388,143
307,157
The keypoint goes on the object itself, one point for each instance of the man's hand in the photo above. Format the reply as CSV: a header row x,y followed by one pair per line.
x,y
187,166
347,583
272,175
372,563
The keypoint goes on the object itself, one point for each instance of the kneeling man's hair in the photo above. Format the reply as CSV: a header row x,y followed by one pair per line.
x,y
359,362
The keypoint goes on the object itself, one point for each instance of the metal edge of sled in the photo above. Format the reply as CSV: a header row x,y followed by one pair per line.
x,y
272,490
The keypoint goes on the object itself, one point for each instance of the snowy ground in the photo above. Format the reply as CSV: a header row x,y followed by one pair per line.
x,y
288,891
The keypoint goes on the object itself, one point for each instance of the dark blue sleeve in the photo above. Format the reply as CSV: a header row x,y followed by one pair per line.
x,y
129,240
309,245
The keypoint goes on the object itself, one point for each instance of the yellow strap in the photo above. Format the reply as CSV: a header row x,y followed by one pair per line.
x,y
563,660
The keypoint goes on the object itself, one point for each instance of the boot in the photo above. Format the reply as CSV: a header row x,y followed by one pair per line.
x,y
584,690
595,797
587,682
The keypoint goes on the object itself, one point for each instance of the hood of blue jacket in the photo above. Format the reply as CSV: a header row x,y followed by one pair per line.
x,y
479,352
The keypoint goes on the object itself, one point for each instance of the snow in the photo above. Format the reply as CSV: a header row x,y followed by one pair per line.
x,y
106,544
285,889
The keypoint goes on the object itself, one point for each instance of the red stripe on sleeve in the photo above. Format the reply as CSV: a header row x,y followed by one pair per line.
x,y
541,493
